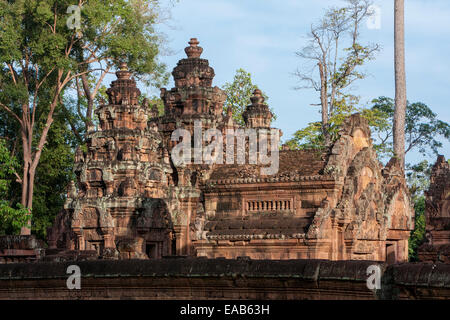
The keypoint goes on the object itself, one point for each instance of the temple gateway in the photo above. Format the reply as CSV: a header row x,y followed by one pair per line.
x,y
130,199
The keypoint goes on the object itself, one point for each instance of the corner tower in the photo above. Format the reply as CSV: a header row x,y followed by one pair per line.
x,y
116,208
193,97
257,115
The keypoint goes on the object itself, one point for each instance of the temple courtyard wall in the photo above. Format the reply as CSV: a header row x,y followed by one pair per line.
x,y
201,278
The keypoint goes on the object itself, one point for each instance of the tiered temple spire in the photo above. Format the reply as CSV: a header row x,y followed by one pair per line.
x,y
257,115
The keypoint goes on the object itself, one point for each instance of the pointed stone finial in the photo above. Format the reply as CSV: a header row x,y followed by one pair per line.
x,y
440,159
123,90
123,66
257,115
193,42
123,72
257,97
193,51
257,92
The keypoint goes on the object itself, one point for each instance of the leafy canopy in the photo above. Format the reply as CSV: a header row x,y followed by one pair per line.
x,y
13,216
418,179
423,130
311,137
238,94
39,56
114,30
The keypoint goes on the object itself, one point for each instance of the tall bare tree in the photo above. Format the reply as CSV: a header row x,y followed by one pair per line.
x,y
333,56
400,81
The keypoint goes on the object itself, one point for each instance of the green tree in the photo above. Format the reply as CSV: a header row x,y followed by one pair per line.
x,y
311,137
53,174
117,31
152,102
418,234
13,216
333,58
418,179
423,130
40,56
238,94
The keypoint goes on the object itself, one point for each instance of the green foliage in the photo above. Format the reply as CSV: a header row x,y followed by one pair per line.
x,y
53,175
418,234
422,129
13,216
154,100
312,137
333,59
29,27
238,94
418,179
35,40
112,32
39,50
125,30
12,219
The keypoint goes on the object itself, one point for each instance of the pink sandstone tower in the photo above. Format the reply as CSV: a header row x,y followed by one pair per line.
x,y
131,200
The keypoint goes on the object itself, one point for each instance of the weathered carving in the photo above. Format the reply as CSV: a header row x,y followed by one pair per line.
x,y
257,115
437,211
133,201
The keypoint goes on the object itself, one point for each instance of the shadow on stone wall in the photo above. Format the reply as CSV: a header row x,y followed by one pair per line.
x,y
198,278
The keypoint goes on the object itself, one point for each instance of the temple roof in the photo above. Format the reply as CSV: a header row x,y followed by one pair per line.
x,y
262,227
293,163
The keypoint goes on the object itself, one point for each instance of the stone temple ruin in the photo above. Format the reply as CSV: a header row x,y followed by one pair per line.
x,y
130,199
437,208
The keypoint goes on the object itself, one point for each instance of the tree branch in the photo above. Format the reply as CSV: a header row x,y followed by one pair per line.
x,y
11,112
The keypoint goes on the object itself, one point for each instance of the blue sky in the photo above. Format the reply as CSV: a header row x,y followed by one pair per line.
x,y
262,36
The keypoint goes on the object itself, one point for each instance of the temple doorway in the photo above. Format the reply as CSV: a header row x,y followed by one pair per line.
x,y
152,250
391,254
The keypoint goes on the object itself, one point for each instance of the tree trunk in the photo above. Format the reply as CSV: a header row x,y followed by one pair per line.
x,y
31,160
24,200
31,176
25,180
324,102
28,197
89,98
400,82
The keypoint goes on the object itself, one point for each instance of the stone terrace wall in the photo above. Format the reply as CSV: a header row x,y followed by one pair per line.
x,y
187,278
17,249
